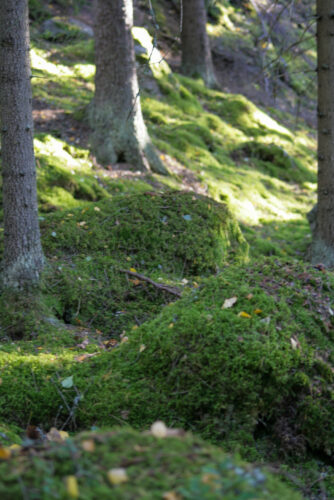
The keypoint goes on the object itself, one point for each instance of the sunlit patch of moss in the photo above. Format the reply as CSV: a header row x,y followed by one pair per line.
x,y
64,174
152,57
150,467
203,142
65,86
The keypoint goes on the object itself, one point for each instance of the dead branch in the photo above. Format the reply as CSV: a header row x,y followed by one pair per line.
x,y
161,286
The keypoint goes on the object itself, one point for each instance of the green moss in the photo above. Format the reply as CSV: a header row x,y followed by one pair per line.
x,y
240,375
275,161
166,236
10,434
153,467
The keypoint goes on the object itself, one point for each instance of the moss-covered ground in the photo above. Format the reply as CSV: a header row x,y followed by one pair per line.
x,y
183,298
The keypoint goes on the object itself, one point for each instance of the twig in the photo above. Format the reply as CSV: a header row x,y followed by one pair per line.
x,y
170,289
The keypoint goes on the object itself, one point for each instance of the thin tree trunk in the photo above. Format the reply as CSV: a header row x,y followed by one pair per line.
x,y
196,53
119,131
23,256
322,248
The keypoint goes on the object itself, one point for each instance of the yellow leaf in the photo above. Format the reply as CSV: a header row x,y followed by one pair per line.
x,y
243,314
72,486
134,327
132,269
117,476
57,436
4,453
88,445
171,325
15,447
258,311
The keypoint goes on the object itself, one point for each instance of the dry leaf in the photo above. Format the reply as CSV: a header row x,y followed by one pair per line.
x,y
295,343
171,495
229,302
117,476
5,453
142,347
88,445
249,296
159,429
57,436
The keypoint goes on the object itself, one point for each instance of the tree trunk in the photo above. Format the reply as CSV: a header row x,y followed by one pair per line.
x,y
23,256
196,53
322,247
119,131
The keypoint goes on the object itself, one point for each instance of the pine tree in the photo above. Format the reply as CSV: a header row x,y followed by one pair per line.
x,y
23,256
119,131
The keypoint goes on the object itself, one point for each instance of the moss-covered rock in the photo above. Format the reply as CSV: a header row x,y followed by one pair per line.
x,y
166,236
152,468
259,370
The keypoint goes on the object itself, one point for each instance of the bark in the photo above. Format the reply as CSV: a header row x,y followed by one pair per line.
x,y
196,53
322,247
23,256
119,131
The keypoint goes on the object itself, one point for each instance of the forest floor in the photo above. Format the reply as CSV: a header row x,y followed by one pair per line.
x,y
184,298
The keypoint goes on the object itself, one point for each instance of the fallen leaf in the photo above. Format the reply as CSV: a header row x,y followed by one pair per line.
x,y
67,383
5,453
249,296
88,445
229,302
132,269
142,347
124,339
72,486
117,476
171,495
85,356
257,311
57,436
159,429
295,342
15,447
244,314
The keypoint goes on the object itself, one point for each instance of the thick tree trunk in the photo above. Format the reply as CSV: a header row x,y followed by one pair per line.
x,y
196,53
322,248
119,131
23,256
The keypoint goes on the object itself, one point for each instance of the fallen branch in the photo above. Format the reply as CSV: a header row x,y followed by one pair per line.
x,y
161,286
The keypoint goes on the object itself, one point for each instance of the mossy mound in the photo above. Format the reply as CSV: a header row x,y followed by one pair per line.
x,y
275,161
259,370
167,236
181,467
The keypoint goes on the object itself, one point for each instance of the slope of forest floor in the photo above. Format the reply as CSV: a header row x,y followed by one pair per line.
x,y
245,357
